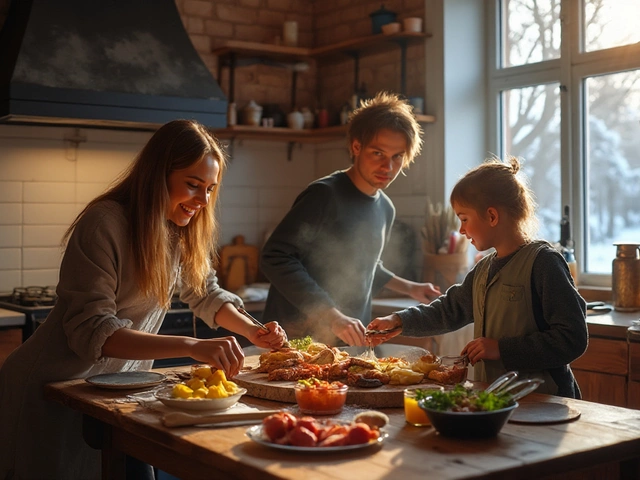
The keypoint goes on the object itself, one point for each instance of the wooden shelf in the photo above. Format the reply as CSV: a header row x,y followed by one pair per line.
x,y
278,52
280,134
232,50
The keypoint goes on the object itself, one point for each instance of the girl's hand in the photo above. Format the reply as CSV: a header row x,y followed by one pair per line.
x,y
391,323
273,339
223,353
482,349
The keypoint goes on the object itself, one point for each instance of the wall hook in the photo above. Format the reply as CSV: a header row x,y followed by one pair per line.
x,y
71,143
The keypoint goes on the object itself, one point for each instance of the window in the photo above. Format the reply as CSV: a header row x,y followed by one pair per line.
x,y
565,85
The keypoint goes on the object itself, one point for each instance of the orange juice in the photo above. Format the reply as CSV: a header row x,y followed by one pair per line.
x,y
413,414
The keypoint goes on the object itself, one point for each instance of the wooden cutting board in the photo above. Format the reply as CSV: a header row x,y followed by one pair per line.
x,y
386,396
543,413
238,264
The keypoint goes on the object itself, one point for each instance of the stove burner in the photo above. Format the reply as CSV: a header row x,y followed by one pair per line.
x,y
34,296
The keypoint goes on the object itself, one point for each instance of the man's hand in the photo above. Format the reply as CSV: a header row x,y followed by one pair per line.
x,y
482,348
424,292
349,330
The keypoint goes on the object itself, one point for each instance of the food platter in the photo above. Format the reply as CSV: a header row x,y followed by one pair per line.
x,y
126,380
386,396
255,433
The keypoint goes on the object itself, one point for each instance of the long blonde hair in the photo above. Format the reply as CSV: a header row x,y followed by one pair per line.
x,y
142,191
497,184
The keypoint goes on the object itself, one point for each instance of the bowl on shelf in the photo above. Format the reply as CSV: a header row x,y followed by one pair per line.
x,y
389,28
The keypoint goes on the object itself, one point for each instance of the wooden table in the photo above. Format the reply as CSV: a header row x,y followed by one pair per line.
x,y
604,438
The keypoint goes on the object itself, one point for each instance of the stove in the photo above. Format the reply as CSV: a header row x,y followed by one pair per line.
x,y
34,302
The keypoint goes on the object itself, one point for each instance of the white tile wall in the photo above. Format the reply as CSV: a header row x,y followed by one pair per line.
x,y
45,182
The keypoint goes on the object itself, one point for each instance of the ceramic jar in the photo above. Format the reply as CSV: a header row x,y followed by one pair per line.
x,y
295,120
308,117
251,114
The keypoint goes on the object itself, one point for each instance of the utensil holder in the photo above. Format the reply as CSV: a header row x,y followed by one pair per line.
x,y
446,269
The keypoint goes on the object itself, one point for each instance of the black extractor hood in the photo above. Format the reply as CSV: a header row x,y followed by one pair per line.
x,y
126,64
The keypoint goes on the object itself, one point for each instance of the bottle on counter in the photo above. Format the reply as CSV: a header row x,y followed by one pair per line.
x,y
625,278
566,247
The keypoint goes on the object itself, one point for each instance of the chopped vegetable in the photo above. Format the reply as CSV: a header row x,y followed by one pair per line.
x,y
301,344
462,399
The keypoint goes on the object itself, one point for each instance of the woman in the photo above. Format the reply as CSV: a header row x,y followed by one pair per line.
x,y
126,253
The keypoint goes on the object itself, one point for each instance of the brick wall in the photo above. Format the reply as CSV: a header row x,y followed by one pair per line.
x,y
329,84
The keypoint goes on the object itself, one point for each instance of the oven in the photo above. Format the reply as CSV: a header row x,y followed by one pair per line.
x,y
37,302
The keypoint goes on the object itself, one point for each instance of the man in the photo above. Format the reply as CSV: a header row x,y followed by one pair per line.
x,y
323,259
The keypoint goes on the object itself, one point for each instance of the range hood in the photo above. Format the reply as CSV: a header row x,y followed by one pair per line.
x,y
126,64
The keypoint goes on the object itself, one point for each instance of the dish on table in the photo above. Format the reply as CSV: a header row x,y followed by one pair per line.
x,y
165,396
256,434
320,397
126,380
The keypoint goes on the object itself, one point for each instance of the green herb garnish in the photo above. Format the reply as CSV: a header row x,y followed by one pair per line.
x,y
301,344
462,399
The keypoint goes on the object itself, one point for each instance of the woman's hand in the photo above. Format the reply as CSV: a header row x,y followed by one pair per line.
x,y
482,349
223,353
273,339
391,324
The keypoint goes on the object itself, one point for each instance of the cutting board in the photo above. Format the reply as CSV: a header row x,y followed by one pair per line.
x,y
238,264
386,396
543,413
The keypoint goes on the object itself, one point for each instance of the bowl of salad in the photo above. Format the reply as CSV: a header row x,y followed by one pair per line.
x,y
466,413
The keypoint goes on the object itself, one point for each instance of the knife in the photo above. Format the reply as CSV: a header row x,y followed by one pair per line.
x,y
181,419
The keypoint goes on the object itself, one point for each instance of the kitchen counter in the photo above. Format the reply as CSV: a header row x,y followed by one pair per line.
x,y
603,440
612,325
10,318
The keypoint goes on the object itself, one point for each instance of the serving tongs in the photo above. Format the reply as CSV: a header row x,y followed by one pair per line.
x,y
506,384
369,353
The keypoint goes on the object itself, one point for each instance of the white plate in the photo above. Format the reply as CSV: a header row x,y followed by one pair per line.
x,y
164,395
255,433
126,380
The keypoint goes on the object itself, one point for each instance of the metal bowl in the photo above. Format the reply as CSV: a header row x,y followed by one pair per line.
x,y
469,424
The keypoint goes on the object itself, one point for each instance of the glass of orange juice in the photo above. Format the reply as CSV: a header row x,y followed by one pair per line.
x,y
413,414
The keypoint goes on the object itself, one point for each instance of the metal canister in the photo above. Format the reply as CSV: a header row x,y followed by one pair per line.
x,y
626,278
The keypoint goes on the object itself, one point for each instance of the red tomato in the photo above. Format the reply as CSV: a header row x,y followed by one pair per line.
x,y
335,440
359,433
276,426
302,437
310,423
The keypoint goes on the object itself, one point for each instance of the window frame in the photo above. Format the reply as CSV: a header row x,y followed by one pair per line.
x,y
570,71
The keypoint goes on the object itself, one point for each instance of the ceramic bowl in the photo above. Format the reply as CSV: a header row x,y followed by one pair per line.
x,y
389,28
166,397
413,24
468,424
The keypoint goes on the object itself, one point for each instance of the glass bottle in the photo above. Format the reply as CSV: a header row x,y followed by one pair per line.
x,y
625,278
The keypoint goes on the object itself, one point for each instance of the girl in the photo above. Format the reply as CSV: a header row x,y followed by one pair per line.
x,y
125,254
527,313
